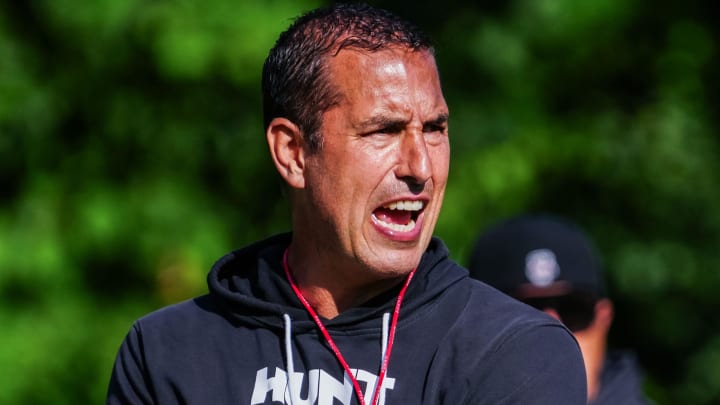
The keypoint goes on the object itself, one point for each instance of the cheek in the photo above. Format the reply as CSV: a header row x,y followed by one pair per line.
x,y
367,165
440,156
344,182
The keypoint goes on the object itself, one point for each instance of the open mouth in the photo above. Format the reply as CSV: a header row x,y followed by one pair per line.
x,y
399,216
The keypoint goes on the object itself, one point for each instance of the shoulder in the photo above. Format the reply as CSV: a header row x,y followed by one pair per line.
x,y
500,313
191,326
474,316
527,350
179,319
512,352
468,309
165,346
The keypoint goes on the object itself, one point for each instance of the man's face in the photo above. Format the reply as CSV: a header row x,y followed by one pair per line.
x,y
375,188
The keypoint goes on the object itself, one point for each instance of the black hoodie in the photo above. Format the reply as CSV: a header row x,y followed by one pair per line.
x,y
458,341
620,383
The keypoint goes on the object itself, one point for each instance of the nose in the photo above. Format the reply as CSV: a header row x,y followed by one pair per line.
x,y
414,166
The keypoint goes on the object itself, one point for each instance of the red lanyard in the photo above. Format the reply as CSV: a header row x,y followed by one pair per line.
x,y
336,350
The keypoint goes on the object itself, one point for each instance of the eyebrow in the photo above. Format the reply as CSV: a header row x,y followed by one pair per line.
x,y
382,121
440,120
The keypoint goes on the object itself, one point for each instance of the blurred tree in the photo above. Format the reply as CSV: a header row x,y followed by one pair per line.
x,y
131,158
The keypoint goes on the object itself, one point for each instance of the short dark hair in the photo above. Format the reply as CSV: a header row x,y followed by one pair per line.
x,y
294,79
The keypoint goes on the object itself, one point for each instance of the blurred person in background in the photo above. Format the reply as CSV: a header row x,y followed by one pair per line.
x,y
551,264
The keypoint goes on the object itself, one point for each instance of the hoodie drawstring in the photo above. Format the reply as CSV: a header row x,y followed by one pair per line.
x,y
290,365
385,330
387,347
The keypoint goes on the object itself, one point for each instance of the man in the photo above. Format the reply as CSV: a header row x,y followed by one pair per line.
x,y
359,305
552,265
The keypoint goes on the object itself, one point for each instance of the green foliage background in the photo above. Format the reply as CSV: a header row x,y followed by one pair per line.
x,y
132,156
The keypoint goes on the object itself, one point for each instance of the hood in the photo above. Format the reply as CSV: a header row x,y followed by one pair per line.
x,y
251,287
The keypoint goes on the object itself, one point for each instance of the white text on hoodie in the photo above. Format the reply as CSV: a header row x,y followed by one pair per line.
x,y
322,388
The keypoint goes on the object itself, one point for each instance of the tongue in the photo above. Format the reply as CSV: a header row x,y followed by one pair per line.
x,y
400,217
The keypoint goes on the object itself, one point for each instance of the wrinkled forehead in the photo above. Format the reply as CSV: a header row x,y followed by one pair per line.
x,y
396,84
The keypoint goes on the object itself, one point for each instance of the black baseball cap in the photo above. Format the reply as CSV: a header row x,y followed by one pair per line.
x,y
532,256
545,262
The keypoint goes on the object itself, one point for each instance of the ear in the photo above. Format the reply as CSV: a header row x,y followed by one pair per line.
x,y
286,148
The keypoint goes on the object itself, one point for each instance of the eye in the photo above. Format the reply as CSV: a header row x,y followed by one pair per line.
x,y
436,132
438,125
391,129
435,128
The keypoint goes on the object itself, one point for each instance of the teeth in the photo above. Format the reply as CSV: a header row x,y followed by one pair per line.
x,y
397,227
405,205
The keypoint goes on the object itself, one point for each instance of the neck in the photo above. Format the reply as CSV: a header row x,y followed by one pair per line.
x,y
329,291
593,348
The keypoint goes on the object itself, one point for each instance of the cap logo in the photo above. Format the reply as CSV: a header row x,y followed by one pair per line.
x,y
541,267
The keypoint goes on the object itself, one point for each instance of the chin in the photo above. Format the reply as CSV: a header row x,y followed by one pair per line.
x,y
396,264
